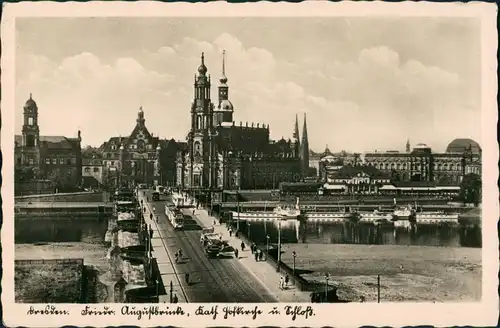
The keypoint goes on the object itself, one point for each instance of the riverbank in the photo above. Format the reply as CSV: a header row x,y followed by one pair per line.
x,y
408,273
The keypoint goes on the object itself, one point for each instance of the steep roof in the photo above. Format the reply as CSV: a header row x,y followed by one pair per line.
x,y
53,142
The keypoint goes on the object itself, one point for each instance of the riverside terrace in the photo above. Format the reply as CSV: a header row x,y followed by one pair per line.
x,y
63,209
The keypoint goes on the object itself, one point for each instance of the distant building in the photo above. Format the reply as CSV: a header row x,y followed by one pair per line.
x,y
220,154
356,179
93,171
56,158
140,157
462,156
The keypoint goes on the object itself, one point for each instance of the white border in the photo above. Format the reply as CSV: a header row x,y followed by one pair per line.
x,y
482,313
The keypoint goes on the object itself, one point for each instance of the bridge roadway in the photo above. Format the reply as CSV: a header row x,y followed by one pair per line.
x,y
212,280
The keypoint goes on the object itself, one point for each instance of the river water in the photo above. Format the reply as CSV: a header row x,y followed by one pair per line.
x,y
448,235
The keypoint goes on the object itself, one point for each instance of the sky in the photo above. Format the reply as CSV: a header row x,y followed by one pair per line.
x,y
365,83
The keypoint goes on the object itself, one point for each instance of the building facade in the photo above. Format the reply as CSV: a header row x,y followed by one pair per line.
x,y
139,158
93,172
462,156
220,154
56,158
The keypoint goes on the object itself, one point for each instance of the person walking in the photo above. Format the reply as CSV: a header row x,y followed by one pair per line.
x,y
242,246
151,216
175,299
256,257
261,255
230,232
281,282
236,253
287,279
186,277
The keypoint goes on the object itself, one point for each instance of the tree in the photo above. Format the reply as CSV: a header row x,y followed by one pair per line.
x,y
63,180
470,188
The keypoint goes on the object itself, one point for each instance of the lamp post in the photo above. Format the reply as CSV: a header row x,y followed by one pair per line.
x,y
327,277
267,244
238,212
294,254
248,229
279,245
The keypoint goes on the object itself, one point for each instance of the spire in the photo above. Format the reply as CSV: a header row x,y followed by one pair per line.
x,y
223,79
140,116
407,145
296,129
31,97
202,69
305,149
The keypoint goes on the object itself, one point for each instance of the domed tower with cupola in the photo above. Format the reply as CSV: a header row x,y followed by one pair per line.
x,y
223,113
30,134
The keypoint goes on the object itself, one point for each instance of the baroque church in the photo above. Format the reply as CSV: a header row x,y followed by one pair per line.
x,y
55,158
221,154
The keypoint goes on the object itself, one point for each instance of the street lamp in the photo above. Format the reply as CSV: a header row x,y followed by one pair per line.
x,y
279,245
294,254
327,277
248,229
267,245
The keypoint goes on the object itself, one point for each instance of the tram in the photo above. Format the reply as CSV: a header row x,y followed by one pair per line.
x,y
175,217
156,196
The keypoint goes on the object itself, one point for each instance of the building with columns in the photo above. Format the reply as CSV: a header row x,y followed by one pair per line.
x,y
55,158
221,154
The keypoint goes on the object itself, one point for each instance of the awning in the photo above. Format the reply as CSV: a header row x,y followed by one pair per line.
x,y
388,187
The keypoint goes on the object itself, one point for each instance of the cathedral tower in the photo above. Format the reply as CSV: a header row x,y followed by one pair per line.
x,y
224,111
30,134
200,145
305,149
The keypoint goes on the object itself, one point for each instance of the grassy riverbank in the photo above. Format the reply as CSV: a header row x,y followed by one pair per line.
x,y
428,274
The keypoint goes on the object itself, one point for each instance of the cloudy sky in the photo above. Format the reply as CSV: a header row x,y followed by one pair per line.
x,y
364,83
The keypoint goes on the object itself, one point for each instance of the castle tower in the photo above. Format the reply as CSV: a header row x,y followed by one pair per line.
x,y
224,111
30,134
305,149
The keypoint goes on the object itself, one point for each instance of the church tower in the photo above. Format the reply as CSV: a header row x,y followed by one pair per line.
x,y
296,138
305,149
224,111
408,150
30,134
200,145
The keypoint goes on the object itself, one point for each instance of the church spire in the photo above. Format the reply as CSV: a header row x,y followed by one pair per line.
x,y
296,129
223,79
407,145
305,149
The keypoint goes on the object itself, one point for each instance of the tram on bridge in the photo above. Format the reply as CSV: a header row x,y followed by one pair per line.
x,y
174,216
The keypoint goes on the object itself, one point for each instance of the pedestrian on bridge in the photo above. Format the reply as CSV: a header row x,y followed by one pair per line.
x,y
151,216
230,232
186,277
236,253
287,279
256,257
175,299
261,255
242,246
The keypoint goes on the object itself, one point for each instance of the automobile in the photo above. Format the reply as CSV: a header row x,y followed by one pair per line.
x,y
212,250
226,251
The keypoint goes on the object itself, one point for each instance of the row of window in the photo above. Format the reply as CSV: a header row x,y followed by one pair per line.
x,y
403,166
61,161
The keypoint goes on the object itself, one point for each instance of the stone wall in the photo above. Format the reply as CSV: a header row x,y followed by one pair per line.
x,y
48,281
65,197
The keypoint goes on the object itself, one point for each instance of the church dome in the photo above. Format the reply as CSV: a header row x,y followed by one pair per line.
x,y
461,145
30,103
226,105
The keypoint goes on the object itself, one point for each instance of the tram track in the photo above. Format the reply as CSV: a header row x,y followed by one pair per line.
x,y
236,284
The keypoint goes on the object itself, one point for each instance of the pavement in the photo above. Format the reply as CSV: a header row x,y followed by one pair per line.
x,y
160,251
211,280
261,270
